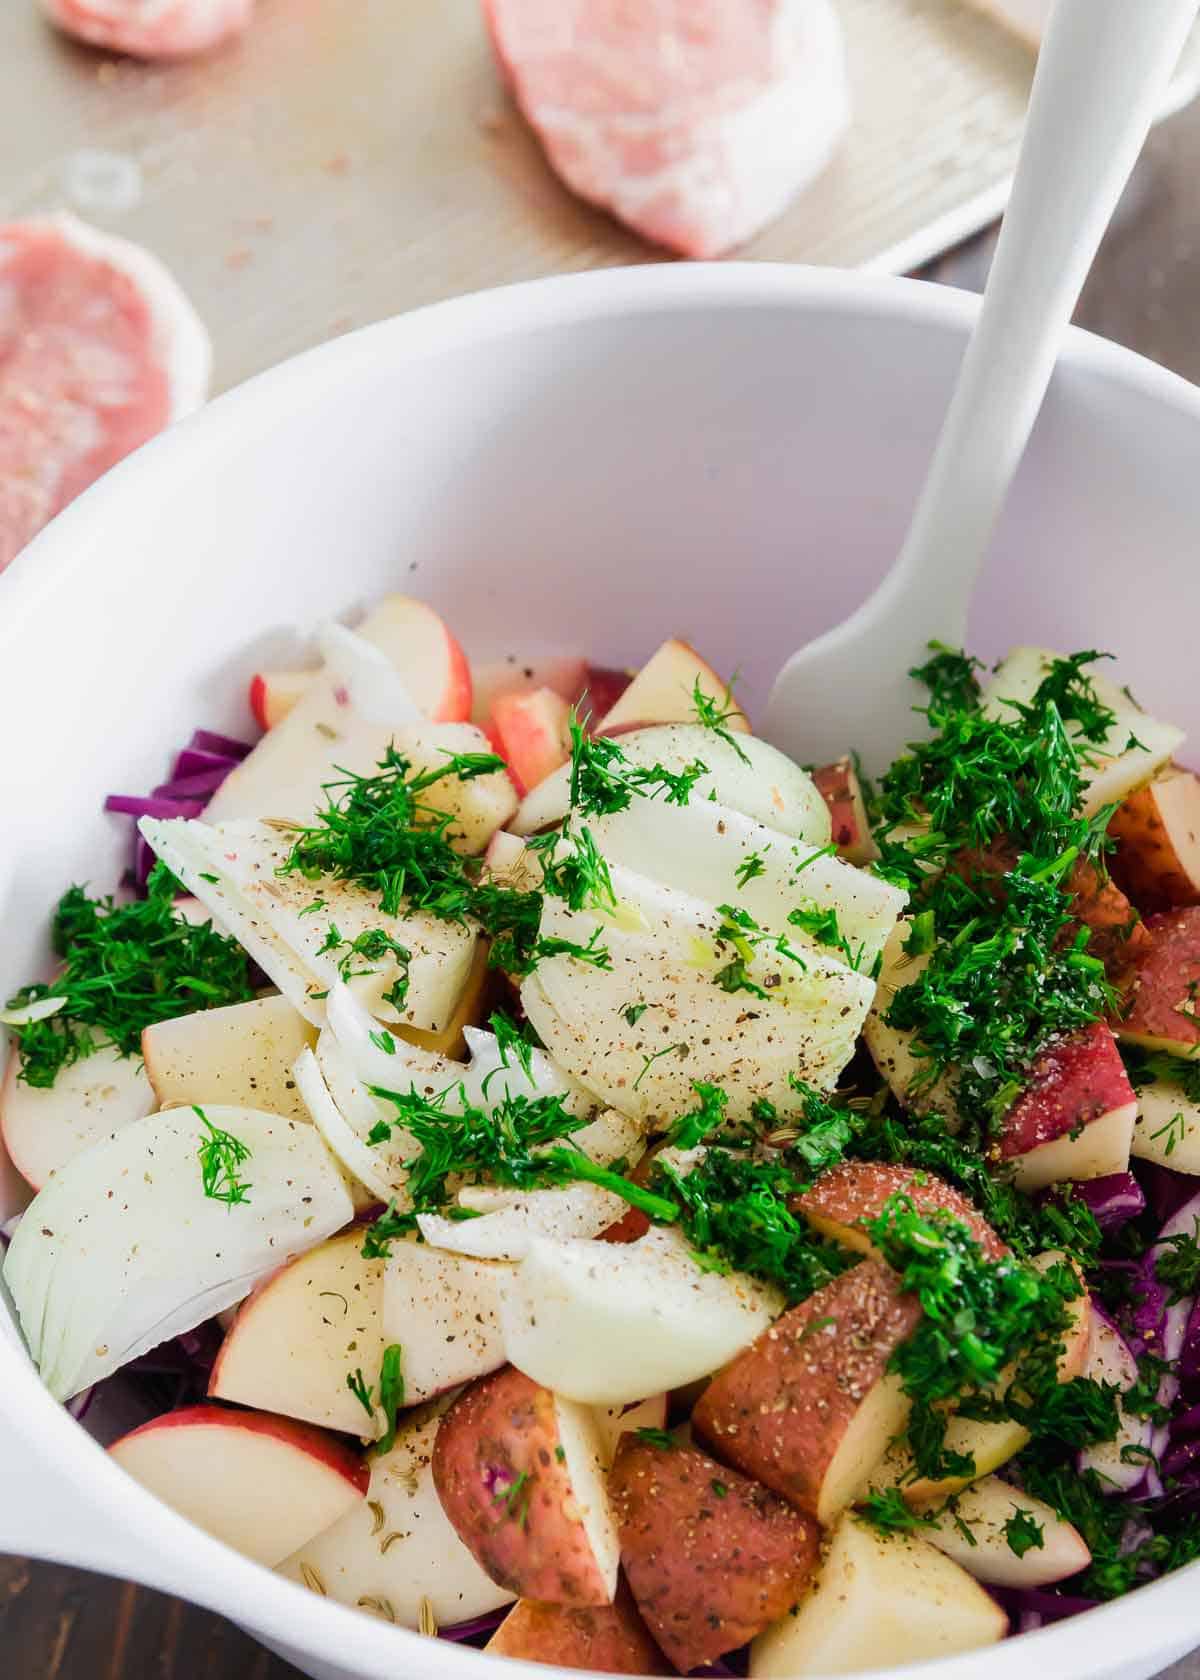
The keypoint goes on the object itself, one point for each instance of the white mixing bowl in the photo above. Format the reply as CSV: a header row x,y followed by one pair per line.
x,y
729,453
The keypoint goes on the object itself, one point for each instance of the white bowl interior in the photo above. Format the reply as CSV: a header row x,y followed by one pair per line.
x,y
586,465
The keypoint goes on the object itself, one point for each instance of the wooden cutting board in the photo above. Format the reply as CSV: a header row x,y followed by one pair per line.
x,y
350,159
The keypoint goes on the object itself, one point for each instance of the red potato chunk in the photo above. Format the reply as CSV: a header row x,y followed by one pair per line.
x,y
1157,830
843,1199
840,788
1073,1084
1163,1010
605,1639
712,1557
519,1474
810,1407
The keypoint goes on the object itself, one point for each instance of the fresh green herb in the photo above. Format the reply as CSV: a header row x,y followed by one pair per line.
x,y
126,966
573,869
391,1394
391,1226
661,1438
1023,1532
511,1041
603,780
751,867
634,1012
888,1512
371,946
383,1040
703,1122
680,1050
1174,1132
359,1387
720,1489
1178,1268
514,1497
822,925
717,715
220,1155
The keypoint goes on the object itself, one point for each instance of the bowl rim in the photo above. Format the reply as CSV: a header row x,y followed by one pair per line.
x,y
99,1517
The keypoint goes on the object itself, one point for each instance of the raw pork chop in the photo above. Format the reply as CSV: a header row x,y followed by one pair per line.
x,y
99,349
151,28
695,121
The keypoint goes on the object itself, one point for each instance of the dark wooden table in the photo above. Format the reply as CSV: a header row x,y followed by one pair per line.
x,y
62,1624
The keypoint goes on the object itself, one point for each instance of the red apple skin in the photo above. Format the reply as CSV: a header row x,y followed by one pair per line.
x,y
1073,1083
1157,830
531,733
839,787
1164,1001
317,1443
258,700
602,687
455,704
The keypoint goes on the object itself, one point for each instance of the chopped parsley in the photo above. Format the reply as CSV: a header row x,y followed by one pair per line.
x,y
1023,1532
126,966
391,1394
221,1155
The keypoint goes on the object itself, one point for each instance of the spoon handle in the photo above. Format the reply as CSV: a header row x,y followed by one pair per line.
x,y
1103,67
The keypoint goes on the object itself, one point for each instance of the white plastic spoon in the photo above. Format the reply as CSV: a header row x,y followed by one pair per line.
x,y
1103,68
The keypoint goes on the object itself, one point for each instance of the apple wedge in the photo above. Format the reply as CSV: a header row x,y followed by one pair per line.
x,y
273,694
711,1557
810,1408
709,1004
302,1333
494,679
46,1127
124,1248
1167,1129
746,774
531,735
519,1473
264,1485
604,1639
1110,1360
878,1602
1163,1009
974,1530
602,1322
413,639
845,1198
723,857
1157,831
840,788
1135,748
241,1055
444,1310
988,1445
1074,1120
299,931
664,691
389,1554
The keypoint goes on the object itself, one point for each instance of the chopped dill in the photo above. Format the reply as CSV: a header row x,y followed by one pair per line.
x,y
221,1155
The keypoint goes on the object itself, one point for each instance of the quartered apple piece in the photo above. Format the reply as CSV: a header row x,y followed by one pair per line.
x,y
711,1557
1157,830
46,1127
305,1331
603,1322
723,857
1163,1008
843,1199
415,642
841,789
751,1028
531,734
123,1249
604,1639
241,1055
1135,748
664,691
519,1472
398,1549
988,1445
745,774
810,1408
1074,1120
444,1311
264,1485
299,931
974,1531
878,1602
